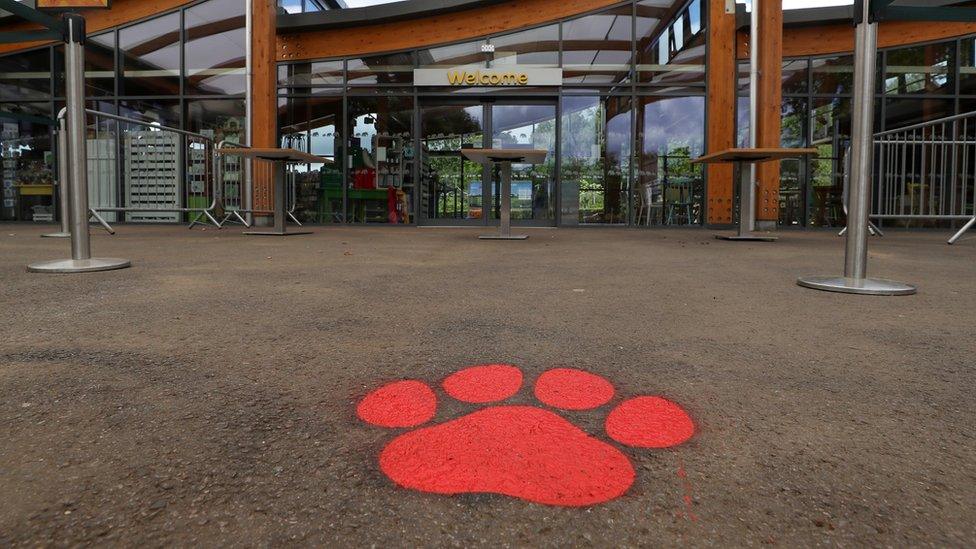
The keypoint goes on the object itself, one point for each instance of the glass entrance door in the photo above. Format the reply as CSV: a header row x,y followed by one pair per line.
x,y
527,126
454,189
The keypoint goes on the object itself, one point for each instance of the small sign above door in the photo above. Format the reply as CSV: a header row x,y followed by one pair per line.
x,y
510,76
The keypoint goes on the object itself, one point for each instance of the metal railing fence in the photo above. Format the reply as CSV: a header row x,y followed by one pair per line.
x,y
145,172
927,171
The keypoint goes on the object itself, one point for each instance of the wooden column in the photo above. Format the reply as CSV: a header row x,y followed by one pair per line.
x,y
264,103
770,108
720,126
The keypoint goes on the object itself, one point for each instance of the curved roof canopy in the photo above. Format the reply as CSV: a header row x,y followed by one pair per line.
x,y
371,15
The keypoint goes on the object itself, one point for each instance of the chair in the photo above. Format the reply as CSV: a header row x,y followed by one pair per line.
x,y
680,199
648,209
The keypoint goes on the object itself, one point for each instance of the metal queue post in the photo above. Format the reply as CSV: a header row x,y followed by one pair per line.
x,y
280,158
73,28
854,280
65,231
504,158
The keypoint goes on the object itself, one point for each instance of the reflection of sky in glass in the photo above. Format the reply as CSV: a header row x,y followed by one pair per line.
x,y
672,123
323,141
167,57
521,123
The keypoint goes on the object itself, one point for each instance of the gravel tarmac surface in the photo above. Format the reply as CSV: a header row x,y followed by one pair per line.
x,y
207,396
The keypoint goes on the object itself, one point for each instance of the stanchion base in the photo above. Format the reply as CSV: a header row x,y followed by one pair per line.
x,y
747,237
56,235
92,265
503,237
866,286
275,233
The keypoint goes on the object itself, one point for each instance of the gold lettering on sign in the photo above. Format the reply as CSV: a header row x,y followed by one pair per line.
x,y
460,78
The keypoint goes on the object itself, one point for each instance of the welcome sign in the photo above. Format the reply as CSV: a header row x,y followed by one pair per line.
x,y
508,76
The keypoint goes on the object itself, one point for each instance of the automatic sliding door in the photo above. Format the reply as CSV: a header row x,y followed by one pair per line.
x,y
527,126
452,190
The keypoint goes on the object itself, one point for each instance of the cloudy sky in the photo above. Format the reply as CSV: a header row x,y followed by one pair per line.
x,y
787,4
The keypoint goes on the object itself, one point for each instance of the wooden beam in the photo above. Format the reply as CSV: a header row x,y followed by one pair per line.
x,y
264,125
721,98
770,102
839,38
430,31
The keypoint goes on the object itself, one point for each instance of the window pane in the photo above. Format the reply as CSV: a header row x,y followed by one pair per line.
x,y
218,119
670,44
451,184
596,157
921,70
395,68
830,121
27,169
795,74
467,54
791,192
321,73
793,134
26,76
742,122
967,68
906,112
529,126
597,48
151,57
312,125
380,184
833,75
669,189
793,125
536,47
165,112
215,48
324,123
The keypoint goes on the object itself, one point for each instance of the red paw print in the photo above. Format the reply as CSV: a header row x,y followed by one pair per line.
x,y
525,452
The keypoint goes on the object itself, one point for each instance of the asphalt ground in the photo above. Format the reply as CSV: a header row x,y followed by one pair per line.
x,y
208,395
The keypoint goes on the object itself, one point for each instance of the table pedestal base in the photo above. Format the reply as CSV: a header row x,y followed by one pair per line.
x,y
275,233
747,237
503,236
92,265
56,235
864,286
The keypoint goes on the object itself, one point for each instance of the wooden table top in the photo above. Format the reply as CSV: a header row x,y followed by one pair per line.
x,y
276,155
752,155
529,156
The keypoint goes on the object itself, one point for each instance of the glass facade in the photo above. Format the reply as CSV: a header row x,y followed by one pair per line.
x,y
620,129
184,69
916,83
621,126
